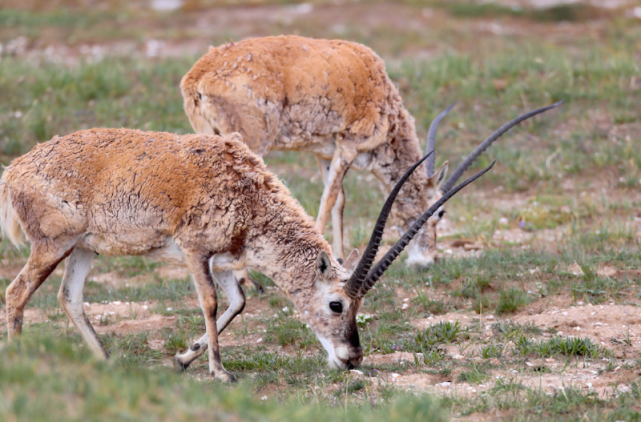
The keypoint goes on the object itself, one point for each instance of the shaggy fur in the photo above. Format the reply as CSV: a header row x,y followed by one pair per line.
x,y
196,199
331,98
8,222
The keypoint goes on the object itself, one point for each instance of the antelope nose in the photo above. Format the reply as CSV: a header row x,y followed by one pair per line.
x,y
355,358
355,362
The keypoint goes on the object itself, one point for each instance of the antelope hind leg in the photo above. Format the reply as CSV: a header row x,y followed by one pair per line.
x,y
44,258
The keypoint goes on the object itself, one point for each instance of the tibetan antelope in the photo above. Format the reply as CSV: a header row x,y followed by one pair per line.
x,y
333,99
203,201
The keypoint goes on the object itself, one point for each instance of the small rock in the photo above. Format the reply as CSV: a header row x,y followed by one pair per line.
x,y
576,269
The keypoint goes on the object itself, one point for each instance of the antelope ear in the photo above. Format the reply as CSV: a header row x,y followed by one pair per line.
x,y
323,266
439,175
352,260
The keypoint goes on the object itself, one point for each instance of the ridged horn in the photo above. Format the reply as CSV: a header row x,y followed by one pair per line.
x,y
486,143
402,243
431,140
353,285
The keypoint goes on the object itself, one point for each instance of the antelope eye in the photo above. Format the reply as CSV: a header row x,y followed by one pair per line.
x,y
441,213
336,307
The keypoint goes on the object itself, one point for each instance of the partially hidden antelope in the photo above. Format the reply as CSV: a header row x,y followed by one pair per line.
x,y
203,201
335,100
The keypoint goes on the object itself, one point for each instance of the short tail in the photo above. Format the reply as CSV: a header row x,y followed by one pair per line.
x,y
8,219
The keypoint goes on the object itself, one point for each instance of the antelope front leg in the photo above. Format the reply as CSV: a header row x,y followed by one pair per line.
x,y
232,290
204,281
333,190
337,210
71,294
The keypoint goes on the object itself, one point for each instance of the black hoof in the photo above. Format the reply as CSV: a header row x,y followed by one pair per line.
x,y
179,366
259,288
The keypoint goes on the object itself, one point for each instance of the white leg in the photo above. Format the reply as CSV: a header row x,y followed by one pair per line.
x,y
232,290
337,210
70,297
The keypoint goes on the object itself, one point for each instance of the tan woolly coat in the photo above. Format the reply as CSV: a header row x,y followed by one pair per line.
x,y
128,192
331,98
205,201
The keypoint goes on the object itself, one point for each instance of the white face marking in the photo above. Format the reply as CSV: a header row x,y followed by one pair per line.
x,y
416,255
332,360
342,352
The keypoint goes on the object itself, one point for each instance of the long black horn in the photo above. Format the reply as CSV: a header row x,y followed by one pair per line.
x,y
431,140
398,247
486,143
353,285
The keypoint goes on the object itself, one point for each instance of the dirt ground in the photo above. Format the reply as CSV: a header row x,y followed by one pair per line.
x,y
615,325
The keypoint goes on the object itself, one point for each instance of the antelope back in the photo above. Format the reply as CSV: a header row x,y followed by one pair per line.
x,y
305,87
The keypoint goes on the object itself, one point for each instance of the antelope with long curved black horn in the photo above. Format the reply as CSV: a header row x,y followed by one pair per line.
x,y
358,276
402,243
422,251
361,281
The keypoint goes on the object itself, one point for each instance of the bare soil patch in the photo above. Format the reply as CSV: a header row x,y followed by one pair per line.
x,y
609,325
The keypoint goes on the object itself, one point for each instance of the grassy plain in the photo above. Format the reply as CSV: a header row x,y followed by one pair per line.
x,y
533,312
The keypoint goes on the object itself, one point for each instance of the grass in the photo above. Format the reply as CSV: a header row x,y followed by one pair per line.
x,y
554,13
564,346
68,384
474,375
511,300
572,173
286,331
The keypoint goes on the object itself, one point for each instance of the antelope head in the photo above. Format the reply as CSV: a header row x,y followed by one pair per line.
x,y
340,289
422,251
